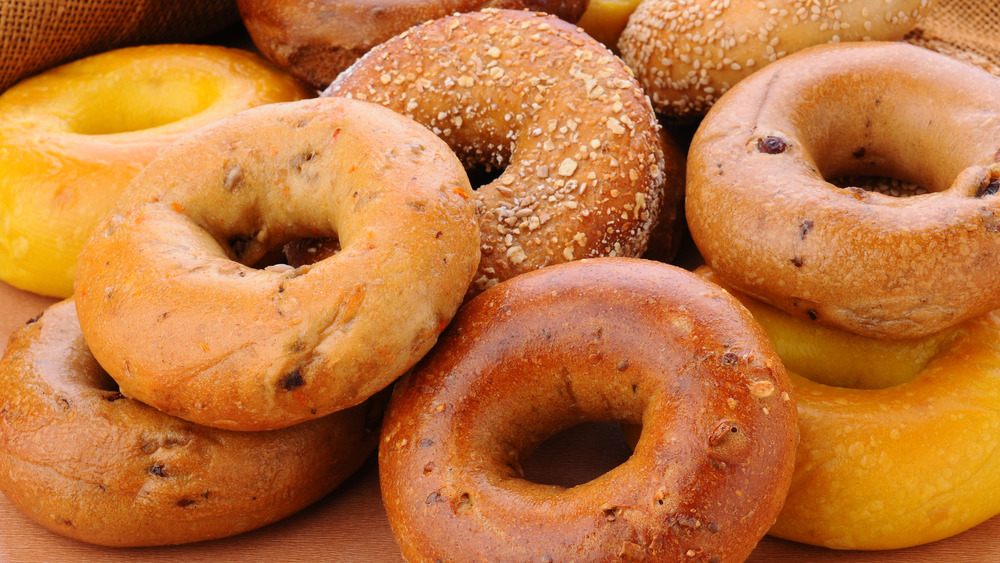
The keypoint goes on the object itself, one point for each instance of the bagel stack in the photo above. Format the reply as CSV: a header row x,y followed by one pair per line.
x,y
72,373
862,282
894,375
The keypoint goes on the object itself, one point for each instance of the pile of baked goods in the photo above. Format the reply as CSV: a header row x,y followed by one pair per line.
x,y
72,138
445,232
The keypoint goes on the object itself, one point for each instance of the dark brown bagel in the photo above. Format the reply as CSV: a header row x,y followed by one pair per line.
x,y
604,339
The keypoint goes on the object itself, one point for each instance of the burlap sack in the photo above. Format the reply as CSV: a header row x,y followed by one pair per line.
x,y
965,29
39,34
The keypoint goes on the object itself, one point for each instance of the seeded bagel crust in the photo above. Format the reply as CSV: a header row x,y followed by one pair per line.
x,y
585,168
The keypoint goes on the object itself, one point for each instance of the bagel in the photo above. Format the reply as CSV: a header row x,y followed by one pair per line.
x,y
586,170
73,137
592,340
605,20
44,33
316,41
763,214
84,461
896,456
172,308
687,53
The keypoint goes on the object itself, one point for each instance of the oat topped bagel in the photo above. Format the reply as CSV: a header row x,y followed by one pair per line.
x,y
172,308
687,53
585,168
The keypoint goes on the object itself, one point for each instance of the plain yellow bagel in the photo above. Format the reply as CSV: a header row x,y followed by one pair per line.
x,y
911,463
605,20
73,137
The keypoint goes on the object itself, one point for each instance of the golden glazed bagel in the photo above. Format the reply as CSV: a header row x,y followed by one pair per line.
x,y
586,169
172,308
73,137
605,20
43,33
316,41
593,340
912,459
766,219
81,459
687,53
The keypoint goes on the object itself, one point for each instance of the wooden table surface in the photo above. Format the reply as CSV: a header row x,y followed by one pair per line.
x,y
350,523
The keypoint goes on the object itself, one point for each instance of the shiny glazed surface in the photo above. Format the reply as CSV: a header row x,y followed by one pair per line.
x,y
899,444
607,339
73,137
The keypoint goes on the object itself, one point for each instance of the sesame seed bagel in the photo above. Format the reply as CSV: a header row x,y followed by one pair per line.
x,y
766,218
83,460
587,170
608,339
687,53
173,309
316,41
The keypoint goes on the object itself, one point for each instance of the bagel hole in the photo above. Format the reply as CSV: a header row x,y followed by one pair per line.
x,y
483,174
294,254
133,102
273,257
885,185
310,250
577,455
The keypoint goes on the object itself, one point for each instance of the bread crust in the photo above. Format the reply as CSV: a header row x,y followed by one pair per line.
x,y
171,306
316,41
594,340
83,460
687,53
585,168
765,217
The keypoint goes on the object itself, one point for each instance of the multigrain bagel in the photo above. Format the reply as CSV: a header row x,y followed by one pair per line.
x,y
316,41
586,169
898,437
172,308
687,53
73,137
766,219
81,459
592,340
